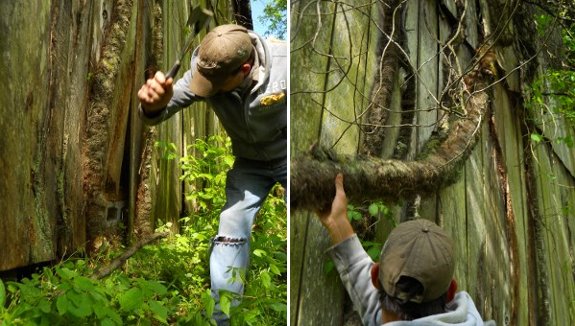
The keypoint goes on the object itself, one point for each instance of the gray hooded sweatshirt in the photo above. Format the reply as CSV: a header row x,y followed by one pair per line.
x,y
354,266
255,117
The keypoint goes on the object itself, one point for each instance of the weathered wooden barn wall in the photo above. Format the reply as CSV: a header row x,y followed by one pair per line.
x,y
26,236
75,159
324,43
511,210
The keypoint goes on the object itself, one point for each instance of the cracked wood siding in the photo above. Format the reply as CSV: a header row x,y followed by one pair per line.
x,y
512,217
27,228
306,259
52,55
309,280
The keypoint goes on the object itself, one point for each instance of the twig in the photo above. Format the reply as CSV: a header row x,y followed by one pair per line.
x,y
119,261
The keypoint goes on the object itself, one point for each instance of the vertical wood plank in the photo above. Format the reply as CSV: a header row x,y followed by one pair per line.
x,y
305,119
27,228
336,74
427,87
556,218
308,280
427,64
168,192
510,139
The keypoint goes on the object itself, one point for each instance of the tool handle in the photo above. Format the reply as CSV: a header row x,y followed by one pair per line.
x,y
172,73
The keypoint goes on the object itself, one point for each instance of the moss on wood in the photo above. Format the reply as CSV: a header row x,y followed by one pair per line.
x,y
379,108
97,134
370,178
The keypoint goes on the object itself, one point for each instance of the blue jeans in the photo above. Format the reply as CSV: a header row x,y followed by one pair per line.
x,y
247,186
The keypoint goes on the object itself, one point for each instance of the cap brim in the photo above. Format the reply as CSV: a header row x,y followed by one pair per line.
x,y
202,86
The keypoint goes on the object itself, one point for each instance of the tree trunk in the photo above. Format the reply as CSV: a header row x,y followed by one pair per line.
x,y
243,13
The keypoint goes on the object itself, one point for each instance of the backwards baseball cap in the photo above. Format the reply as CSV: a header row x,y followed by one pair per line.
x,y
221,53
419,249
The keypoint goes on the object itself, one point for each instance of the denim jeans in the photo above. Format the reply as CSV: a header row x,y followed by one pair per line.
x,y
247,186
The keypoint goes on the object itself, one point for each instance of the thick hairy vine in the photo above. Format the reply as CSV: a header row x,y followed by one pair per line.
x,y
371,178
378,110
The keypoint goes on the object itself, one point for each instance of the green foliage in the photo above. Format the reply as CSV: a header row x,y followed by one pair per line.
x,y
204,170
2,295
353,214
168,151
364,221
380,211
553,92
63,295
166,283
275,16
265,300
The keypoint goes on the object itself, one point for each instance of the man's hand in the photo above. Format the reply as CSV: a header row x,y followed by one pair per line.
x,y
334,218
155,94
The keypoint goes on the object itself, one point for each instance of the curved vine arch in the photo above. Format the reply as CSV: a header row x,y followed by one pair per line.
x,y
463,104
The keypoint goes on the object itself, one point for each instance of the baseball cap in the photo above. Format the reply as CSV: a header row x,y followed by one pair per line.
x,y
419,249
221,53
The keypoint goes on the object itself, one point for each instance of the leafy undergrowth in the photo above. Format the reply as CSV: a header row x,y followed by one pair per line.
x,y
167,282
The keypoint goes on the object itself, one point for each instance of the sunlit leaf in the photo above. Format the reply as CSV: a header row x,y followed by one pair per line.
x,y
131,300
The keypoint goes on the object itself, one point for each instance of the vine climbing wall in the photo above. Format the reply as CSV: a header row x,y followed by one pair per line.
x,y
379,89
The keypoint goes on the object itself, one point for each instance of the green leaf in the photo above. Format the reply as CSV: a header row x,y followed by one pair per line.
x,y
108,322
259,252
44,305
108,316
354,215
229,160
374,210
279,307
160,312
274,269
328,267
2,294
225,304
65,273
62,304
374,252
208,302
266,280
157,287
131,299
536,137
83,283
100,311
81,306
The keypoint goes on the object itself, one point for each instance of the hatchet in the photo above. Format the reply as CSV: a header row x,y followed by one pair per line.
x,y
198,20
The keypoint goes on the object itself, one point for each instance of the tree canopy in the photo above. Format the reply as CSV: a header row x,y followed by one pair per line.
x,y
275,17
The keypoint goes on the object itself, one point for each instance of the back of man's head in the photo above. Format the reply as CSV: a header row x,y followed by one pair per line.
x,y
416,268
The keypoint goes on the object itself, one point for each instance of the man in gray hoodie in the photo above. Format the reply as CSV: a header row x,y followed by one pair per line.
x,y
413,282
244,79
